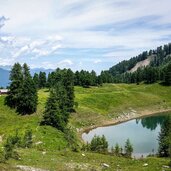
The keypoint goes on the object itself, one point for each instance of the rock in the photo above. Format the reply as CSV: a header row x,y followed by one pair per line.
x,y
29,168
167,167
145,164
44,152
39,142
105,165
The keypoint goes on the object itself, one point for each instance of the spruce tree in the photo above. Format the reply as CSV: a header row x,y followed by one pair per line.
x,y
28,97
167,75
36,80
117,149
128,148
55,113
15,87
42,79
165,139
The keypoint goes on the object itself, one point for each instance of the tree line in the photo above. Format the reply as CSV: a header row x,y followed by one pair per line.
x,y
99,144
81,78
159,69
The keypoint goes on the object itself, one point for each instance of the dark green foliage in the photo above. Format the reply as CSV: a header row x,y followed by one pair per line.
x,y
87,79
117,149
167,74
28,97
99,144
42,79
82,78
66,78
23,93
9,147
128,148
55,113
106,77
36,80
15,141
165,139
16,77
124,66
68,82
157,70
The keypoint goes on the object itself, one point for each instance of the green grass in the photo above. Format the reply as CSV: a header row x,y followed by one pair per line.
x,y
96,104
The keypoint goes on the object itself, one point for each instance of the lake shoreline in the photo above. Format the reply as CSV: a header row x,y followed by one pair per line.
x,y
118,120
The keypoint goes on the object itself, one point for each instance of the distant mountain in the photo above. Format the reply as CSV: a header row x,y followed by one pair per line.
x,y
4,77
5,72
6,67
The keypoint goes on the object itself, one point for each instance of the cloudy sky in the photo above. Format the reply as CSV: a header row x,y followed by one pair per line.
x,y
88,34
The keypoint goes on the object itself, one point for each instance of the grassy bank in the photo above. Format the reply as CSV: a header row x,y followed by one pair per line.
x,y
100,106
96,106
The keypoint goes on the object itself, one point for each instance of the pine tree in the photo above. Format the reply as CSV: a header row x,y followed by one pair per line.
x,y
55,113
42,79
165,139
36,80
28,97
117,149
15,87
128,148
167,75
99,144
68,82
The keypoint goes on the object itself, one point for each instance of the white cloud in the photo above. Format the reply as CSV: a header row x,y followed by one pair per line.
x,y
53,65
23,49
97,61
65,63
42,27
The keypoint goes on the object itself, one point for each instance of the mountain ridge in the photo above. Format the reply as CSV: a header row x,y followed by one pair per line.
x,y
5,73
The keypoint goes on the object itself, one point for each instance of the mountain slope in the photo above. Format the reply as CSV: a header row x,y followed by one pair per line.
x,y
142,64
155,58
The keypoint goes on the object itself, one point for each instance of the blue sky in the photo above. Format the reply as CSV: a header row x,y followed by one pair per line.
x,y
81,34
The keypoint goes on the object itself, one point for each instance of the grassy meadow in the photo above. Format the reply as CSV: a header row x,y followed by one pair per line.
x,y
98,105
95,105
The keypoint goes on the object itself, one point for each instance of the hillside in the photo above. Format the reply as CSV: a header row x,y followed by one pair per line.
x,y
97,106
155,58
142,64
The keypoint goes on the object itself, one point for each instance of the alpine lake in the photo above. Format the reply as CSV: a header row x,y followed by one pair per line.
x,y
142,132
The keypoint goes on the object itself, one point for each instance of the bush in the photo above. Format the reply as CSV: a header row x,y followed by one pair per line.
x,y
99,144
15,141
72,140
128,148
27,139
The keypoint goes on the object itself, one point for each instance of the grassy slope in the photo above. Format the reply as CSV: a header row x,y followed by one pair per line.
x,y
94,105
99,104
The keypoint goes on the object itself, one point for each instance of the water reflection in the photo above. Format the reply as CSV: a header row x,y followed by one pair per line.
x,y
151,122
143,134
